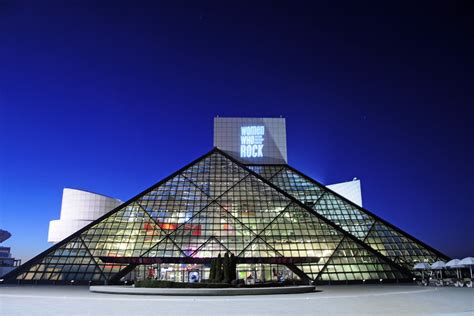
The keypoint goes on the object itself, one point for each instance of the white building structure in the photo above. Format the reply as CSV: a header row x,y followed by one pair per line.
x,y
78,209
252,140
350,190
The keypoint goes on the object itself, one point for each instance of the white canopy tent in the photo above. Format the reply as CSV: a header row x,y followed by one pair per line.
x,y
422,266
455,264
469,262
438,266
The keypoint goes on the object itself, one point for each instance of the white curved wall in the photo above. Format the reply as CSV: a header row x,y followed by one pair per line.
x,y
78,209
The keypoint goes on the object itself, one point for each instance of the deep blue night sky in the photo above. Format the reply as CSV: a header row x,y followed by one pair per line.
x,y
112,96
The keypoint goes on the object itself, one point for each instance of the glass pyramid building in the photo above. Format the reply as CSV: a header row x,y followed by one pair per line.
x,y
266,215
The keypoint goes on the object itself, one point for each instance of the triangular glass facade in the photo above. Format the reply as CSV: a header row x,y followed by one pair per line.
x,y
216,205
353,219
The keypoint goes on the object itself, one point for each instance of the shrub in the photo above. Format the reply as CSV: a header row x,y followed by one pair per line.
x,y
233,267
212,272
226,266
219,271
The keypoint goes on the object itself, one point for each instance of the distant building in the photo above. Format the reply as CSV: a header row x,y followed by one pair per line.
x,y
7,262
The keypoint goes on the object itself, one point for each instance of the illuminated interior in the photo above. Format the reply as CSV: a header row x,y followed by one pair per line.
x,y
217,205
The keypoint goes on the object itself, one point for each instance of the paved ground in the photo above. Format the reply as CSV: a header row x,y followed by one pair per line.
x,y
349,300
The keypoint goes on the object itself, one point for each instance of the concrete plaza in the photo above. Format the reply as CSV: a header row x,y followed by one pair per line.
x,y
348,300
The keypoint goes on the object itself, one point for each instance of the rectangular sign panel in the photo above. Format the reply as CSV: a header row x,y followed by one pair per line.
x,y
252,140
